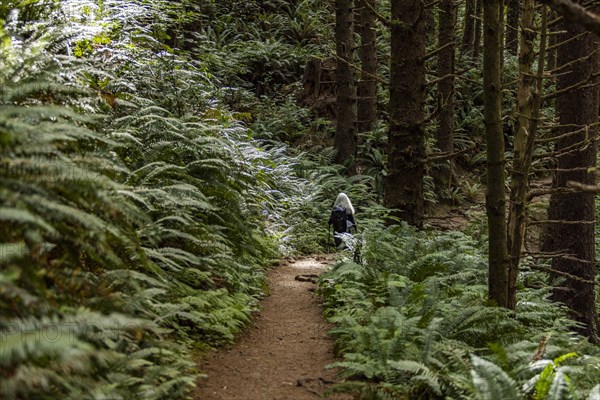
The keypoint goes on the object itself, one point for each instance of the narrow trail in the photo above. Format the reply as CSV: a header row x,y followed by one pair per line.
x,y
283,355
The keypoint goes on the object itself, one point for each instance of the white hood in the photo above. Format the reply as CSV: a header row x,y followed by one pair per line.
x,y
342,200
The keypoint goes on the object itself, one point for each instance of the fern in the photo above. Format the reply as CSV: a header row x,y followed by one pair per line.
x,y
419,375
595,393
491,382
413,322
121,195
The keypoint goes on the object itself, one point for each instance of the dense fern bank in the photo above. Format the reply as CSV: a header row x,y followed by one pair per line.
x,y
413,323
137,212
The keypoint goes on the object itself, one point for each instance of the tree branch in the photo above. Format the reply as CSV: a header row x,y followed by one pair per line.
x,y
359,69
436,51
565,274
585,129
543,192
373,11
577,85
575,13
447,156
561,222
581,187
458,74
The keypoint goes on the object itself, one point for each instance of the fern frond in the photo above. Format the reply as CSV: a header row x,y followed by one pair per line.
x,y
419,374
24,217
595,393
560,388
491,382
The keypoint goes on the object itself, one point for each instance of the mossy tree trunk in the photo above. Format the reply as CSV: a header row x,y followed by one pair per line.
x,y
367,86
478,28
495,197
552,42
468,38
429,16
529,88
406,139
571,215
445,72
345,142
512,25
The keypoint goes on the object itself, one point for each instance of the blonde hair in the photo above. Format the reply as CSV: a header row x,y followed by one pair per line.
x,y
342,200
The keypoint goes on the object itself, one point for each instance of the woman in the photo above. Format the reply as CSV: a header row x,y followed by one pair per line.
x,y
342,218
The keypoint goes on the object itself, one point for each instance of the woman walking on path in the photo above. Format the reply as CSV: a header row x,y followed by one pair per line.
x,y
342,218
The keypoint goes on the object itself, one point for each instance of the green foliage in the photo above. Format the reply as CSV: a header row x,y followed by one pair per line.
x,y
269,47
280,118
137,212
491,382
413,322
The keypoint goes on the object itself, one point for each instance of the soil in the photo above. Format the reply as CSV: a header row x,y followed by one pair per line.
x,y
284,354
456,218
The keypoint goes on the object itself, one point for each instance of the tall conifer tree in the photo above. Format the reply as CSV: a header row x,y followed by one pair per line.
x,y
367,86
445,72
495,196
345,141
571,215
406,139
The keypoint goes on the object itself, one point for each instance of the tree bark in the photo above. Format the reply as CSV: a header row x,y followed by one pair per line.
x,y
576,109
468,38
345,141
512,26
478,28
552,41
528,109
429,15
367,86
406,139
445,72
495,197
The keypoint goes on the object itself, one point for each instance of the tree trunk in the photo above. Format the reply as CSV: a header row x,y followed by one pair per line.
x,y
367,86
468,38
345,134
478,28
406,139
512,26
429,15
552,41
495,197
445,68
528,108
577,110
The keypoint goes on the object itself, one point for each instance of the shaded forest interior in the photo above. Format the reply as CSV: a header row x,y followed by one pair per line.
x,y
158,158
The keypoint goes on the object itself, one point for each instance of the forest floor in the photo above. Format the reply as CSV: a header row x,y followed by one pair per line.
x,y
284,353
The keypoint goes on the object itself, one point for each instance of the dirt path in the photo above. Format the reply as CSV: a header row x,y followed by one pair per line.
x,y
283,355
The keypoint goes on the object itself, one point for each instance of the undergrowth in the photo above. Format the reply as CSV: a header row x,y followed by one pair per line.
x,y
413,322
138,214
